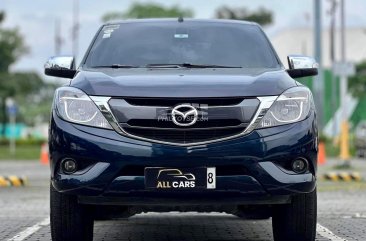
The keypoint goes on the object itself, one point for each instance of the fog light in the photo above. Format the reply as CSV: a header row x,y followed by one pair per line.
x,y
69,166
300,165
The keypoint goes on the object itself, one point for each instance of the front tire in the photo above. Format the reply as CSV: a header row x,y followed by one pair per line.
x,y
296,221
70,220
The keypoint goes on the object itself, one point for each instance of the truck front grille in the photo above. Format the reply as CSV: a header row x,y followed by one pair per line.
x,y
152,118
185,136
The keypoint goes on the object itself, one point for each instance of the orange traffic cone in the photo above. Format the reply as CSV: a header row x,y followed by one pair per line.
x,y
44,154
321,154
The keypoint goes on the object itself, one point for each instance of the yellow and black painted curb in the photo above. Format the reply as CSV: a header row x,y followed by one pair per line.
x,y
13,181
342,176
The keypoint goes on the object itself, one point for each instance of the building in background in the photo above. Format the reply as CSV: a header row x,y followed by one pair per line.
x,y
300,41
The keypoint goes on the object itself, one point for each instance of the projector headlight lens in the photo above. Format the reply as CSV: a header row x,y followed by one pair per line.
x,y
292,106
75,106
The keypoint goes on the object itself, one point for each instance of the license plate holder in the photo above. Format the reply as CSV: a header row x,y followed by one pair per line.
x,y
164,178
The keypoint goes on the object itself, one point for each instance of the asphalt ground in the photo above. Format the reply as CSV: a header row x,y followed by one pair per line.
x,y
24,215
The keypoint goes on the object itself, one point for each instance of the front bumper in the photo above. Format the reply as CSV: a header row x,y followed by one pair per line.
x,y
253,166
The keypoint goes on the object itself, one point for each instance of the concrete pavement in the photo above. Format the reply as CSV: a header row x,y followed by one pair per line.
x,y
24,212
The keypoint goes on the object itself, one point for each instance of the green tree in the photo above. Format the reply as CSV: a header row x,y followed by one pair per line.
x,y
261,16
19,86
32,95
27,89
357,83
11,46
35,106
149,10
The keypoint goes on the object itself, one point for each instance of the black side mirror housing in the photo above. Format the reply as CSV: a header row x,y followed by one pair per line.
x,y
298,73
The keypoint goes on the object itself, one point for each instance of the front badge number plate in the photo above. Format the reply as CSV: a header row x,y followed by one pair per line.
x,y
180,178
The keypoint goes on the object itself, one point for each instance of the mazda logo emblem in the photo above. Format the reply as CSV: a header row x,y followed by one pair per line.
x,y
184,115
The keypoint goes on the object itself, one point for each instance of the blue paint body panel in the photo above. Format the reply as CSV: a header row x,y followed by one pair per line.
x,y
258,152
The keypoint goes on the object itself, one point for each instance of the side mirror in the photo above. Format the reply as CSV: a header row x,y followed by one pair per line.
x,y
60,66
301,66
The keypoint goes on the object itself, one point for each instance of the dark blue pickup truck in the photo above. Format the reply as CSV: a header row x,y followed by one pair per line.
x,y
183,115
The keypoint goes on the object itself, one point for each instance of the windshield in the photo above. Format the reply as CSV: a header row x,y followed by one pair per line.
x,y
145,44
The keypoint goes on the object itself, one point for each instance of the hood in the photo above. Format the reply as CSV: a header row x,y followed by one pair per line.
x,y
182,82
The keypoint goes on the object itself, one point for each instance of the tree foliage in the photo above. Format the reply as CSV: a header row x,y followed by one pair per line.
x,y
28,91
357,83
23,87
149,10
11,46
261,16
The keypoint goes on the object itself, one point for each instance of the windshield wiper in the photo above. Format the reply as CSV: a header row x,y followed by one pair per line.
x,y
189,65
183,65
116,66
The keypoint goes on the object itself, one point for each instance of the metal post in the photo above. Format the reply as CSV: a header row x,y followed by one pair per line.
x,y
75,29
58,38
12,122
318,83
344,155
11,111
332,14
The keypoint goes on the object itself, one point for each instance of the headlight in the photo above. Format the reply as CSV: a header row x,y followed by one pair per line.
x,y
75,106
292,106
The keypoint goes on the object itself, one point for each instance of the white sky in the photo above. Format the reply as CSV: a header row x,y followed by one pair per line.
x,y
36,19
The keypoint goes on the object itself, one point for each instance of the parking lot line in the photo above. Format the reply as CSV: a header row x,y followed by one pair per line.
x,y
30,230
326,233
321,230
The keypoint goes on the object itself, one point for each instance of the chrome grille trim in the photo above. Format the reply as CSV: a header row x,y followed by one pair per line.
x,y
102,103
159,128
